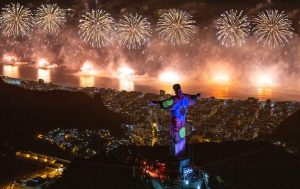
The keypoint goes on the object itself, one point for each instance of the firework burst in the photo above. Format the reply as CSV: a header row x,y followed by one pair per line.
x,y
272,28
233,28
133,31
50,19
16,20
96,28
176,26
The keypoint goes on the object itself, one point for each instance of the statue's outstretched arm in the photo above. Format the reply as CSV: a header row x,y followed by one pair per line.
x,y
193,98
164,104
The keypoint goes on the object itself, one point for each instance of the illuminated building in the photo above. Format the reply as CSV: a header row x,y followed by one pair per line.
x,y
154,134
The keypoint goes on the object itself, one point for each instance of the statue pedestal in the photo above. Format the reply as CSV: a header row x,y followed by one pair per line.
x,y
175,165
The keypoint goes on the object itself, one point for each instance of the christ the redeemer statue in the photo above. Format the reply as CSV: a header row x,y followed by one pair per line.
x,y
178,106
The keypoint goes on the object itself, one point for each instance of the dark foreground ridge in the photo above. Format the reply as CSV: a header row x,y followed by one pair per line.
x,y
230,165
26,113
288,133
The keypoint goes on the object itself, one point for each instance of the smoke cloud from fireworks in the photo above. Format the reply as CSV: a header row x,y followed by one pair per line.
x,y
200,62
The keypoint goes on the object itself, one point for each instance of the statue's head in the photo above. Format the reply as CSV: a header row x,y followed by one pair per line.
x,y
177,88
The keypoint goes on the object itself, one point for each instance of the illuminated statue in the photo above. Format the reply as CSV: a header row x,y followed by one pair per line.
x,y
178,106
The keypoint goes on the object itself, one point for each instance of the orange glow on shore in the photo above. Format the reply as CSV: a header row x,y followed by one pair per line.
x,y
126,76
45,64
9,58
126,85
11,71
44,74
87,69
125,72
221,78
169,77
221,92
264,93
264,81
87,81
218,72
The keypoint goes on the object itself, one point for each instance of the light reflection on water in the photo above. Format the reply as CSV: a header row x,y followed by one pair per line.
x,y
87,81
127,85
11,71
44,74
62,76
264,93
220,92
